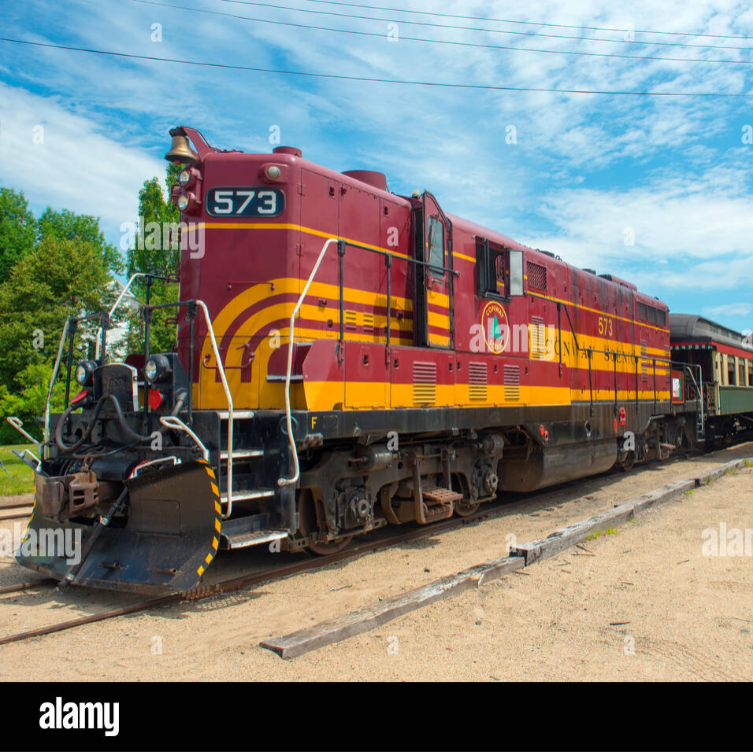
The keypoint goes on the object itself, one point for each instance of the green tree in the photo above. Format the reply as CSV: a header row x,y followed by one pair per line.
x,y
156,251
59,279
30,400
81,228
18,230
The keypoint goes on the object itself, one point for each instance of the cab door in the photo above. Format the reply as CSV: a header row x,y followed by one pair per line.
x,y
435,276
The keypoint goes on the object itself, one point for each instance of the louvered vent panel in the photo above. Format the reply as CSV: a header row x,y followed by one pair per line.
x,y
644,361
368,323
351,319
537,338
536,274
512,383
477,381
424,383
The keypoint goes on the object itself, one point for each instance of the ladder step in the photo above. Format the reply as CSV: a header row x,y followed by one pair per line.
x,y
242,540
225,415
439,495
239,454
242,496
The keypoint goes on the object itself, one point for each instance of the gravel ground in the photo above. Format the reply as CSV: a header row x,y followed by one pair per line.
x,y
688,616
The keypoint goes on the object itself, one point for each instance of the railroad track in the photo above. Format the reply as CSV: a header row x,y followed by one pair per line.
x,y
240,583
381,540
12,507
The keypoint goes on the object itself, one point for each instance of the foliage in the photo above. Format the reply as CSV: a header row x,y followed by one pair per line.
x,y
28,402
60,265
156,251
59,279
18,230
81,228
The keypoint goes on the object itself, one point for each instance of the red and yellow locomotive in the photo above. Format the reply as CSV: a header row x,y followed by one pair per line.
x,y
346,359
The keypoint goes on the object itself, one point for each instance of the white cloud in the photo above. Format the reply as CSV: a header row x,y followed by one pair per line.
x,y
76,165
584,167
696,226
729,309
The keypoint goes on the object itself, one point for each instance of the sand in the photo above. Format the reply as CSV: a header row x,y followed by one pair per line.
x,y
689,617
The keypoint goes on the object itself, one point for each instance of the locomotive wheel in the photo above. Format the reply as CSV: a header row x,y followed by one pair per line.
x,y
464,509
309,524
628,463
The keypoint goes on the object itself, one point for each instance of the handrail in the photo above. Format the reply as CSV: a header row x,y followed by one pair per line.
x,y
282,481
220,369
22,455
223,378
49,392
149,463
17,424
173,422
97,339
636,358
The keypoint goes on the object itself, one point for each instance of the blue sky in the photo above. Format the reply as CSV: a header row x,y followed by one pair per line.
x,y
585,173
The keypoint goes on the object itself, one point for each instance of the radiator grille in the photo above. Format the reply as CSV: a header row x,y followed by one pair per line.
x,y
512,383
644,361
477,381
424,383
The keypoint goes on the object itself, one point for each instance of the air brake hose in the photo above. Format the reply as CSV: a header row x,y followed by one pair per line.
x,y
179,403
63,447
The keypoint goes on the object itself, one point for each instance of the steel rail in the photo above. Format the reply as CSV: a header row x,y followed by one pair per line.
x,y
312,563
16,516
231,585
27,586
14,505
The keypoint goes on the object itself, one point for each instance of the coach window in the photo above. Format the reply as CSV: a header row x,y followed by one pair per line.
x,y
436,247
499,271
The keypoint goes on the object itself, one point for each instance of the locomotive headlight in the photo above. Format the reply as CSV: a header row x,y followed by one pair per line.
x,y
188,177
156,369
186,201
274,172
85,371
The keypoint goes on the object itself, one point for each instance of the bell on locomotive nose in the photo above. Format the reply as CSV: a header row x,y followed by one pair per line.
x,y
180,151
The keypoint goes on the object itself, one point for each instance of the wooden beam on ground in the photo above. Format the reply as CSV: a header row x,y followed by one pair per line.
x,y
564,538
363,620
716,473
573,534
662,494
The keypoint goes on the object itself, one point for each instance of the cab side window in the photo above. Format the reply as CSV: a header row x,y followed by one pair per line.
x,y
436,247
499,271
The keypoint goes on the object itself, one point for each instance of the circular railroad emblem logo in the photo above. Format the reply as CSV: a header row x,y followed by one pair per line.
x,y
494,325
